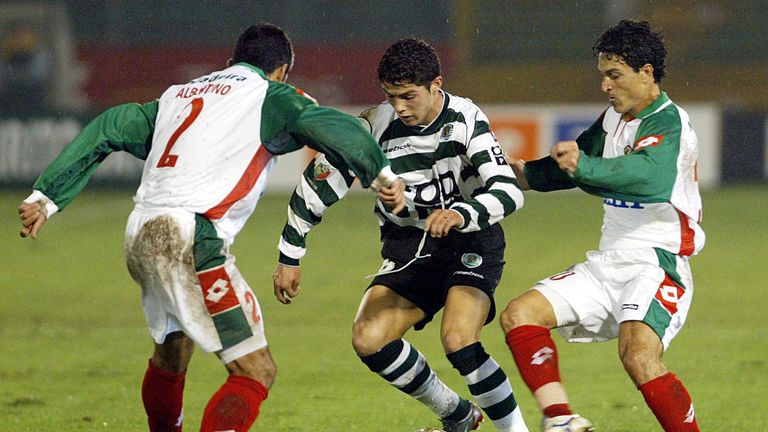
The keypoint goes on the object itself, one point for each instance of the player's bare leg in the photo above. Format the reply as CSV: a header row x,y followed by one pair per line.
x,y
382,319
641,350
162,390
466,310
527,321
235,406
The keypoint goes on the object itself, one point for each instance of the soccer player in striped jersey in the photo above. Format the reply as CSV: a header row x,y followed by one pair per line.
x,y
209,145
640,157
444,250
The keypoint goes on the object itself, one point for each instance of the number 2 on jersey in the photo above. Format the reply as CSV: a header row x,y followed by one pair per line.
x,y
167,159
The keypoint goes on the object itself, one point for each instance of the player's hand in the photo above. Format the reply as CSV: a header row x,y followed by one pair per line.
x,y
32,217
286,283
518,167
566,154
393,196
440,222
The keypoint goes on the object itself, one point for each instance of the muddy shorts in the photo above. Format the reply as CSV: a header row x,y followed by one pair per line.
x,y
189,283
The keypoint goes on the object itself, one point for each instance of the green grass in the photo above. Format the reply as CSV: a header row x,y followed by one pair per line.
x,y
73,342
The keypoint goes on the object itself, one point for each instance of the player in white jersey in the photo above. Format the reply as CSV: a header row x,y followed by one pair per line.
x,y
209,145
640,157
444,250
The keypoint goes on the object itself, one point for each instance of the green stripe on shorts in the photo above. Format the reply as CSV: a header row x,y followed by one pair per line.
x,y
668,263
658,318
232,327
208,245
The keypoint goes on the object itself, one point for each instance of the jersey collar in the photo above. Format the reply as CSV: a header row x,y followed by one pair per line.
x,y
252,67
439,121
654,106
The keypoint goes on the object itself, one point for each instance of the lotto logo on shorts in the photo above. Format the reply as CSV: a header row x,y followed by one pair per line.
x,y
669,294
217,290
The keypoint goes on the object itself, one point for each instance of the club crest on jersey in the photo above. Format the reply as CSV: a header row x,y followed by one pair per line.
x,y
447,131
322,171
649,141
471,260
627,150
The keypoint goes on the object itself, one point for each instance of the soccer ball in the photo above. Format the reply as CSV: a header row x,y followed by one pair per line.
x,y
429,429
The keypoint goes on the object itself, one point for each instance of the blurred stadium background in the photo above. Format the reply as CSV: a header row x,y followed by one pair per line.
x,y
528,63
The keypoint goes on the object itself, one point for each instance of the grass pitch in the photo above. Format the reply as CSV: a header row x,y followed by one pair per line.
x,y
73,343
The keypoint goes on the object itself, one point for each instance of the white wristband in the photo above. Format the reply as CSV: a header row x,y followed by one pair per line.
x,y
48,206
385,178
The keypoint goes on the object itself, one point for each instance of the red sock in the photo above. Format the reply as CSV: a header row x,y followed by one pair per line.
x,y
234,406
535,355
162,393
670,402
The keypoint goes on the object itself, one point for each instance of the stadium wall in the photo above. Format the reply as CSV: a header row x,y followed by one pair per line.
x,y
733,143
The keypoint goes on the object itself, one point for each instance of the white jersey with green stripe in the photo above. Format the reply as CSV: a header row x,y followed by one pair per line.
x,y
645,170
454,163
209,145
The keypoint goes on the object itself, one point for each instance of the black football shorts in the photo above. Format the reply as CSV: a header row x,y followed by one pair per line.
x,y
474,259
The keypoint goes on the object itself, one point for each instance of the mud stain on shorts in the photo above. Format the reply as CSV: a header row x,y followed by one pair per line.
x,y
157,250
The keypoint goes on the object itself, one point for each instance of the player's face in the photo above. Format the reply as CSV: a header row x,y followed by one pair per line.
x,y
629,91
415,104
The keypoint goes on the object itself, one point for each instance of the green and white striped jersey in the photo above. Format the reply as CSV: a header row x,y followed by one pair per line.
x,y
209,145
645,170
455,162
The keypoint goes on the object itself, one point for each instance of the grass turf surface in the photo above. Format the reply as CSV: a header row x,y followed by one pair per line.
x,y
73,343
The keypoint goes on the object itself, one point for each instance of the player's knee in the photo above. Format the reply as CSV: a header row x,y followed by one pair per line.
x,y
174,354
514,315
367,338
641,364
531,308
454,341
258,366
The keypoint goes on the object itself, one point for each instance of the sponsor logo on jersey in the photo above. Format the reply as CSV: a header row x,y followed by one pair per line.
x,y
498,154
447,131
613,202
629,306
648,141
397,147
322,171
471,260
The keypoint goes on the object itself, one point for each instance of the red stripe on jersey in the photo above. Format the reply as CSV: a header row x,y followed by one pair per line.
x,y
669,294
686,235
218,292
243,186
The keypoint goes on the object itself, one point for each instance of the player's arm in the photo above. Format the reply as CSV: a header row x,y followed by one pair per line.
x,y
126,127
338,135
321,185
500,194
646,174
545,174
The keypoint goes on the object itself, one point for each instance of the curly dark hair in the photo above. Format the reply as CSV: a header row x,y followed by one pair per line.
x,y
409,61
635,43
265,46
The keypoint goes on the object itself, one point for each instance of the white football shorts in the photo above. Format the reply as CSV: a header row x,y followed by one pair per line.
x,y
216,308
592,298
